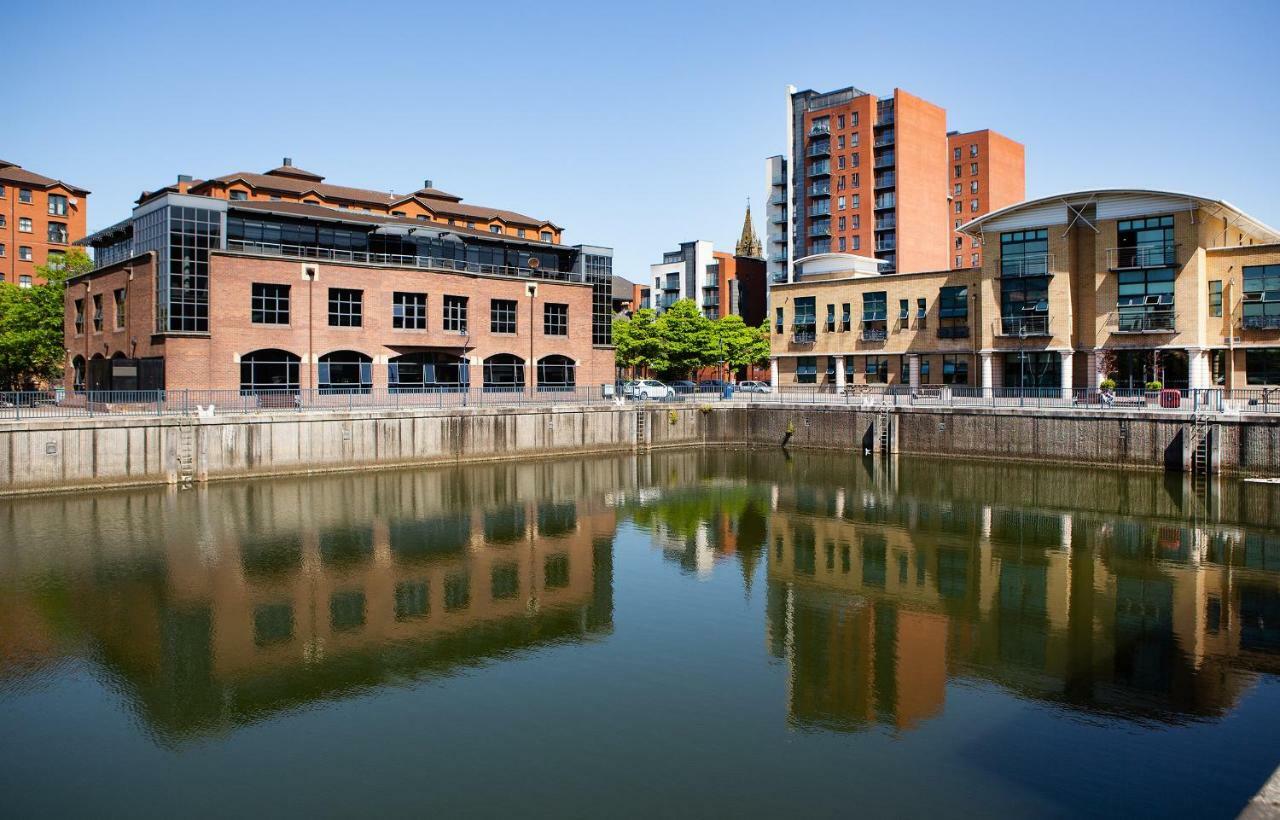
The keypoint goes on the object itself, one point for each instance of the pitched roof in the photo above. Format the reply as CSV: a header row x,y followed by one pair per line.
x,y
21,176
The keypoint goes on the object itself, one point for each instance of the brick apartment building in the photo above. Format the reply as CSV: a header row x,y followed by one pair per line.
x,y
39,217
282,281
1135,284
882,177
719,283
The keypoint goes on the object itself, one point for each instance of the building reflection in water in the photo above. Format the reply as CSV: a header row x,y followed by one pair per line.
x,y
883,588
221,605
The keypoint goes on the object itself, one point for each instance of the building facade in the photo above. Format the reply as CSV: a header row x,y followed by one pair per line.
x,y
988,171
719,283
279,281
39,217
1135,285
874,176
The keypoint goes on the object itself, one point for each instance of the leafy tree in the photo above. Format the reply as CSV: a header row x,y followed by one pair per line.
x,y
743,345
636,341
688,340
31,324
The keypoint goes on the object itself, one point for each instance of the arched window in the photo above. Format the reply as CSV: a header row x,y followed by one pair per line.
x,y
345,371
504,371
266,370
77,373
427,370
99,373
556,373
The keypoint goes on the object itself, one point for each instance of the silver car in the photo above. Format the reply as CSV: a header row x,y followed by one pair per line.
x,y
652,389
754,387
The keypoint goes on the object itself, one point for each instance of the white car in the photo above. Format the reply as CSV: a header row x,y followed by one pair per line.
x,y
652,389
754,387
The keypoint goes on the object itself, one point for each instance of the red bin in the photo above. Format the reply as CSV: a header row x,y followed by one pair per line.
x,y
1170,398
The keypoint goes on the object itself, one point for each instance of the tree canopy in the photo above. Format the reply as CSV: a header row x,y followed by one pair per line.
x,y
682,339
31,324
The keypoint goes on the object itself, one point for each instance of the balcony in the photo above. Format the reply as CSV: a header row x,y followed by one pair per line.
x,y
778,198
886,180
819,129
874,334
779,256
953,332
886,245
819,189
884,139
1261,322
1024,326
1155,322
886,223
778,179
821,148
1036,264
778,238
1142,256
885,160
885,201
821,168
804,334
820,229
779,218
820,210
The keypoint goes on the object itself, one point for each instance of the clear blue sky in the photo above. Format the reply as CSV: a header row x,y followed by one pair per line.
x,y
633,125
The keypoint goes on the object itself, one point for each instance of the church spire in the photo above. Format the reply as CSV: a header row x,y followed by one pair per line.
x,y
749,243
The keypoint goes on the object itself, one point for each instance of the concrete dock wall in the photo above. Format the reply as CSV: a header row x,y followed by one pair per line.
x,y
62,454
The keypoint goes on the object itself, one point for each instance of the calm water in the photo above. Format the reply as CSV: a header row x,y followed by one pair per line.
x,y
716,633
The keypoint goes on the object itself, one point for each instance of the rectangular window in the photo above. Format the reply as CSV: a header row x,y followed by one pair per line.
x,y
973,205
1024,253
1262,365
973,169
853,140
555,319
1144,243
24,281
57,205
840,121
973,187
955,154
239,196
1145,300
807,369
957,172
24,224
1261,297
924,370
831,369
502,316
24,195
841,243
955,369
855,243
495,229
58,233
545,236
853,160
840,203
3,250
953,312
922,308
97,313
24,253
806,314
831,318
875,306
79,316
777,316
877,369
846,317
269,304
409,311
1215,298
973,150
119,299
904,308
346,307
455,314
855,221
855,179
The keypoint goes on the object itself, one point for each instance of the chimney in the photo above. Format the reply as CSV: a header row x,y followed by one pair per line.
x,y
184,182
426,183
287,162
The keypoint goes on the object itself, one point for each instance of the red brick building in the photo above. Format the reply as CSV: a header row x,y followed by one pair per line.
x,y
199,290
39,217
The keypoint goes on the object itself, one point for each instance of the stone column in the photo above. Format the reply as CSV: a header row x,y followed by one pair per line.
x,y
1198,374
985,377
773,372
839,372
1068,376
1093,362
913,369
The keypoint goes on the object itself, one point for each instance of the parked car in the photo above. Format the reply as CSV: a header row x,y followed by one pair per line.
x,y
711,386
627,389
684,387
653,389
754,387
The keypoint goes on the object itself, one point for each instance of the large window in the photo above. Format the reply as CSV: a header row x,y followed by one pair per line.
x,y
58,233
269,370
409,311
1024,253
97,312
807,369
877,369
955,369
502,316
555,319
504,371
346,307
270,304
1215,298
1261,297
806,323
428,370
1032,369
455,314
556,373
1145,243
1024,306
184,296
345,371
120,307
953,312
875,308
1145,300
57,205
1262,365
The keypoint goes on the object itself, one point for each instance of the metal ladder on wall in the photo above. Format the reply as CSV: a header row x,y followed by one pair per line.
x,y
1201,463
882,432
642,430
186,451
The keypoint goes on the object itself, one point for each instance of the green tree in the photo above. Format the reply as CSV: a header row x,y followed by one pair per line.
x,y
31,324
742,345
635,339
688,340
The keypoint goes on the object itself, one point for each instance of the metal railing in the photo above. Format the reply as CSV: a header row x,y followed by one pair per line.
x,y
886,181
804,334
1037,325
887,223
1146,323
820,189
1261,322
1156,255
885,160
873,334
396,260
1035,264
820,168
819,149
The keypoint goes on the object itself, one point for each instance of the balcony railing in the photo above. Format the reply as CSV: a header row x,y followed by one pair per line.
x,y
804,334
779,218
778,277
1157,255
883,202
778,238
884,139
1162,322
886,223
820,189
885,160
820,169
820,210
1036,264
819,149
397,260
1023,326
874,334
819,130
778,179
886,245
1262,323
953,332
821,229
779,198
886,180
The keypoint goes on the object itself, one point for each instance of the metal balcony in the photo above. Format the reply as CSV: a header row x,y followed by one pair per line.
x,y
885,160
886,223
1161,322
820,229
804,334
820,169
778,238
1261,323
884,202
884,139
779,218
1036,264
886,246
1142,256
779,198
886,180
819,149
1024,326
819,189
820,210
819,130
874,334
